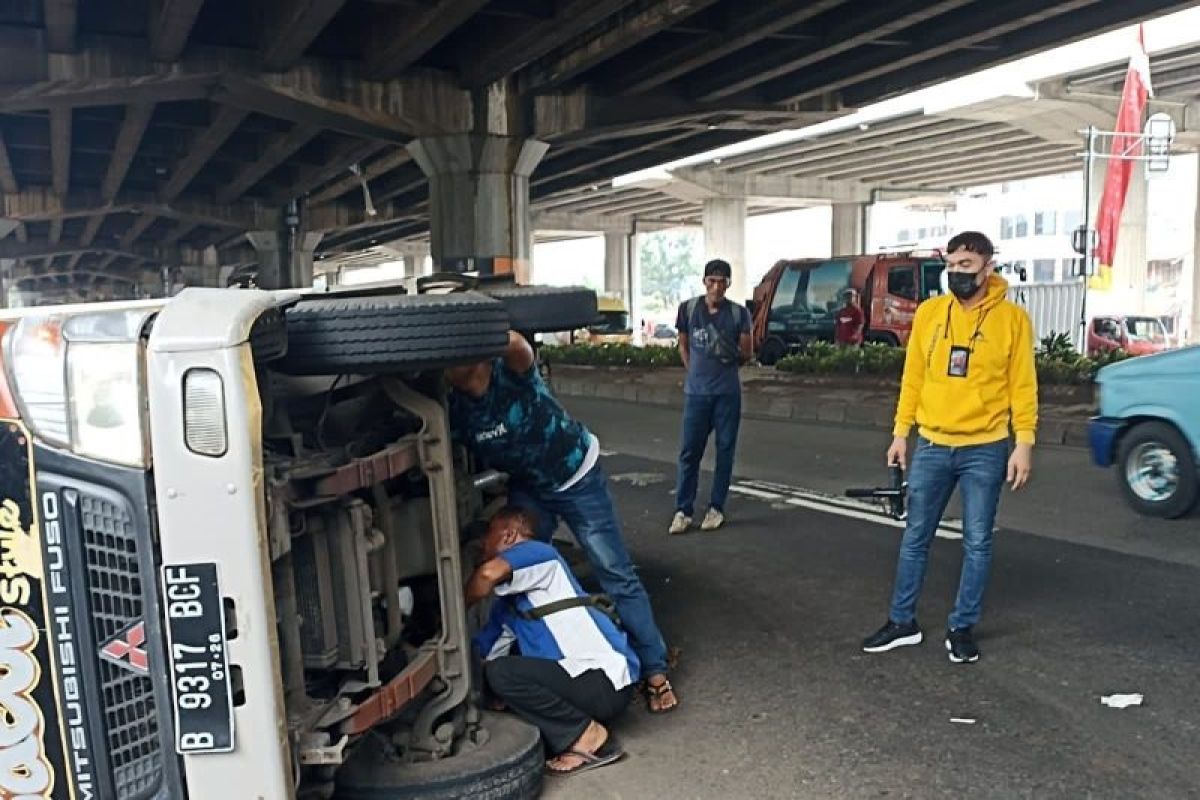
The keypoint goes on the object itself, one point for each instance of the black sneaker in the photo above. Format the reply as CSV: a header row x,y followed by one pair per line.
x,y
960,644
891,636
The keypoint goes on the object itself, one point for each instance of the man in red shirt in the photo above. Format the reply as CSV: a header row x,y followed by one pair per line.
x,y
848,326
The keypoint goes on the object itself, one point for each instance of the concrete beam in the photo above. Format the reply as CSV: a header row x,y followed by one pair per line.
x,y
530,42
337,162
629,30
544,221
279,150
139,226
692,183
384,164
398,41
202,149
855,30
335,95
171,23
60,149
129,139
581,116
8,178
766,18
39,204
293,28
62,20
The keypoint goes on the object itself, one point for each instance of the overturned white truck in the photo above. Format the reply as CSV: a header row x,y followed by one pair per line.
x,y
231,535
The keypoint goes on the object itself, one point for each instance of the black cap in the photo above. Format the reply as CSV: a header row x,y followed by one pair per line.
x,y
719,268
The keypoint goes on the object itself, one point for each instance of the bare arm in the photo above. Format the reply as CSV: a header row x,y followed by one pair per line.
x,y
746,347
684,353
518,356
487,576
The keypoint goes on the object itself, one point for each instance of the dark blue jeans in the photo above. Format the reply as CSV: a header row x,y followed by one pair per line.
x,y
589,511
720,414
978,472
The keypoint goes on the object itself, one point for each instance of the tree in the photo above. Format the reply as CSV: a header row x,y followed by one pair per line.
x,y
671,267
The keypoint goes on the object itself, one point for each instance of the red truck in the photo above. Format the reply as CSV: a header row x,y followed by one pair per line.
x,y
798,300
1137,336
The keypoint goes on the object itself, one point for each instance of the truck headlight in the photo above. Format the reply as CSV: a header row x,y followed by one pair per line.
x,y
77,382
107,420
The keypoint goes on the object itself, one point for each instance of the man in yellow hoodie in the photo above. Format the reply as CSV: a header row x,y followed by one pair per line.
x,y
969,377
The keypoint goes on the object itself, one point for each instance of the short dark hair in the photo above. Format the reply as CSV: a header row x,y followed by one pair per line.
x,y
972,242
718,267
516,516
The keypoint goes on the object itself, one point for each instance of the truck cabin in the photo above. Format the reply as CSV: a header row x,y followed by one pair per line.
x,y
798,300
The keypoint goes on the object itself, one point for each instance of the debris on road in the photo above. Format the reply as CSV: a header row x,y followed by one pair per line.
x,y
1121,700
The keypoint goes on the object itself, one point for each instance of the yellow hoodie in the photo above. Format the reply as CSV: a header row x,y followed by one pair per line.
x,y
1000,387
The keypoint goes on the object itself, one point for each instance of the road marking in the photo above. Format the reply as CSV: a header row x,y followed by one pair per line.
x,y
845,507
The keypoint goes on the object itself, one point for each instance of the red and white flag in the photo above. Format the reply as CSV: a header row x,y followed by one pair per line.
x,y
1120,170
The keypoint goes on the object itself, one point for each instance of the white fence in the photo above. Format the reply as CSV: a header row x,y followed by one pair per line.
x,y
1053,307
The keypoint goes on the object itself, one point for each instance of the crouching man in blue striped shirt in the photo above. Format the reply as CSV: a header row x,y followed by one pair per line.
x,y
575,670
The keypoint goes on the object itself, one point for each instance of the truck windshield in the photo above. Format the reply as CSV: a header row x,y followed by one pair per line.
x,y
815,290
611,322
1146,329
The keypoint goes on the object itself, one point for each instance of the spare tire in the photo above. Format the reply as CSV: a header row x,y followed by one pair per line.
x,y
547,309
506,765
392,333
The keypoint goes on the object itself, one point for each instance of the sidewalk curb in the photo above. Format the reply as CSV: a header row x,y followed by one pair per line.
x,y
1058,431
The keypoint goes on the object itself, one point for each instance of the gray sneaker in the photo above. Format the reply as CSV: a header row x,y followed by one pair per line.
x,y
712,520
680,523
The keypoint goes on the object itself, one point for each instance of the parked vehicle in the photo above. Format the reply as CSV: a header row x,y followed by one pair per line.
x,y
1136,335
1149,429
612,324
663,335
231,525
797,301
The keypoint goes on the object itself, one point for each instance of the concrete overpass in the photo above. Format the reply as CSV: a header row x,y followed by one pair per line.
x,y
195,134
928,154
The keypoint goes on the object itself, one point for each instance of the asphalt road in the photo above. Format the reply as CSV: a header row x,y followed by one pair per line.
x,y
778,701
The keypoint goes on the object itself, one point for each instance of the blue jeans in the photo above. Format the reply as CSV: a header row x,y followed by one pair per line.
x,y
979,472
704,414
589,511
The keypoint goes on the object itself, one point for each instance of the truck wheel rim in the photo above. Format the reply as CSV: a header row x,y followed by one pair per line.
x,y
1152,472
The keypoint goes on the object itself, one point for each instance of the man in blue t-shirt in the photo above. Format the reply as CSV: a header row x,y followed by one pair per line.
x,y
574,670
714,341
504,412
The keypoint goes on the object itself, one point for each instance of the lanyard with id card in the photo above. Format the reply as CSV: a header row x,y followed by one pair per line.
x,y
959,363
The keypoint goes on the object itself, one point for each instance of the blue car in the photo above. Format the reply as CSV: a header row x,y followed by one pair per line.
x,y
1149,429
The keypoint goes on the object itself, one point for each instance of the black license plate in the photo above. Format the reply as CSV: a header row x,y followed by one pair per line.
x,y
199,665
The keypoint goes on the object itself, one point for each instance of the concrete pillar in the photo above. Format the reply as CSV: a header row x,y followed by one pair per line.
x,y
479,201
849,234
6,274
1194,326
725,237
616,264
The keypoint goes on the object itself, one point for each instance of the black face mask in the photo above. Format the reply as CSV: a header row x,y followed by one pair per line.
x,y
962,285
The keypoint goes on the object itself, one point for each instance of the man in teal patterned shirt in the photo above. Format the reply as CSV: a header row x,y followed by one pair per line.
x,y
504,412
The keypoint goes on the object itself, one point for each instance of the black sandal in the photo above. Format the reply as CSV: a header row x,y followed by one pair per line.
x,y
658,693
608,753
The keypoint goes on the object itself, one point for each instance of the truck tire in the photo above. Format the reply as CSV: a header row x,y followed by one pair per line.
x,y
392,333
547,309
507,766
772,350
1157,471
883,338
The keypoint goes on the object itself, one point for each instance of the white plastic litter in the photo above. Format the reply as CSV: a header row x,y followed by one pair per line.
x,y
963,720
1121,700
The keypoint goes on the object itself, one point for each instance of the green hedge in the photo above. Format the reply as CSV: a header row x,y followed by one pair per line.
x,y
1057,362
612,355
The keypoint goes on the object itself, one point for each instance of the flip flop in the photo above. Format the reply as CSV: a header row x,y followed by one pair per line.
x,y
657,693
608,753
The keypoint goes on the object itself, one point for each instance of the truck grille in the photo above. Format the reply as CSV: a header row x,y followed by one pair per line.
x,y
115,589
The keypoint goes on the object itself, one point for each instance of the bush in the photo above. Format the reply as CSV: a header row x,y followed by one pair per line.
x,y
1059,363
822,358
612,355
